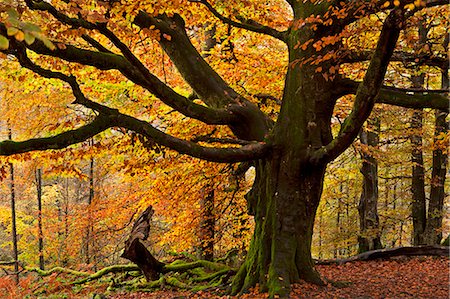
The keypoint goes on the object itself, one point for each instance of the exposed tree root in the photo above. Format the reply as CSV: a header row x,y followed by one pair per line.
x,y
107,270
57,270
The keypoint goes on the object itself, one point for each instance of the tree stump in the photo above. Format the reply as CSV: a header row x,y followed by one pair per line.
x,y
136,251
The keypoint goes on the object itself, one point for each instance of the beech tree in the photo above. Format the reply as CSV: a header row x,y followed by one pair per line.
x,y
290,149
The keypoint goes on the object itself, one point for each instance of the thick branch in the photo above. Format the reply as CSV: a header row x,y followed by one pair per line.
x,y
191,65
246,24
367,90
253,151
207,84
63,140
406,58
408,98
108,61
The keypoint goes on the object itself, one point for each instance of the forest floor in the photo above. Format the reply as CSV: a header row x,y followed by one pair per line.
x,y
419,277
401,277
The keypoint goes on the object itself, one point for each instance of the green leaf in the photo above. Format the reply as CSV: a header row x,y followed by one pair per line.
x,y
29,38
12,13
47,43
10,31
31,27
4,43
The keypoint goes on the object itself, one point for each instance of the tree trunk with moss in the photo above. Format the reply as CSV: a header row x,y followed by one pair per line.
x,y
288,185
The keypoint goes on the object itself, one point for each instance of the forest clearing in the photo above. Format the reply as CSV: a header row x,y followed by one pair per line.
x,y
183,148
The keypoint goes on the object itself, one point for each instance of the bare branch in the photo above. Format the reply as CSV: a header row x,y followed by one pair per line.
x,y
63,140
210,139
403,97
406,58
246,24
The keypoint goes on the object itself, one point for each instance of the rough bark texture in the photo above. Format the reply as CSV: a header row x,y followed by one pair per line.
x,y
207,223
369,238
433,229
136,251
284,208
418,179
418,174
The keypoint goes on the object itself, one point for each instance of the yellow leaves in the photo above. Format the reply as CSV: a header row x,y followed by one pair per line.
x,y
167,36
10,31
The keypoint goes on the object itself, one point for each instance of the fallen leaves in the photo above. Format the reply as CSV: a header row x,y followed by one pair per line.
x,y
421,277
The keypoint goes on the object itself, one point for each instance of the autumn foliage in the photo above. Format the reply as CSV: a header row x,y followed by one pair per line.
x,y
243,124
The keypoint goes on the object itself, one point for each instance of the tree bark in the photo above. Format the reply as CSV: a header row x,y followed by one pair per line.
x,y
40,233
369,238
13,218
136,251
418,174
433,229
430,250
89,227
207,224
284,208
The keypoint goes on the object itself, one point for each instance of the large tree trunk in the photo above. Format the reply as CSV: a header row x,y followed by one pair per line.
x,y
287,188
369,238
284,208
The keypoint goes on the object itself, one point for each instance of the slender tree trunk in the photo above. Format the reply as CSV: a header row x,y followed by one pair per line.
x,y
418,180
418,174
13,218
369,238
207,223
433,229
89,228
40,233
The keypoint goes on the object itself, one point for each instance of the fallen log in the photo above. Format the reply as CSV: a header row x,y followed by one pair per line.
x,y
428,250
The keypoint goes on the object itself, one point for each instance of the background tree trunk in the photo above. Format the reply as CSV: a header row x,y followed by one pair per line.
x,y
40,233
207,224
13,218
89,227
418,179
418,173
433,229
369,238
